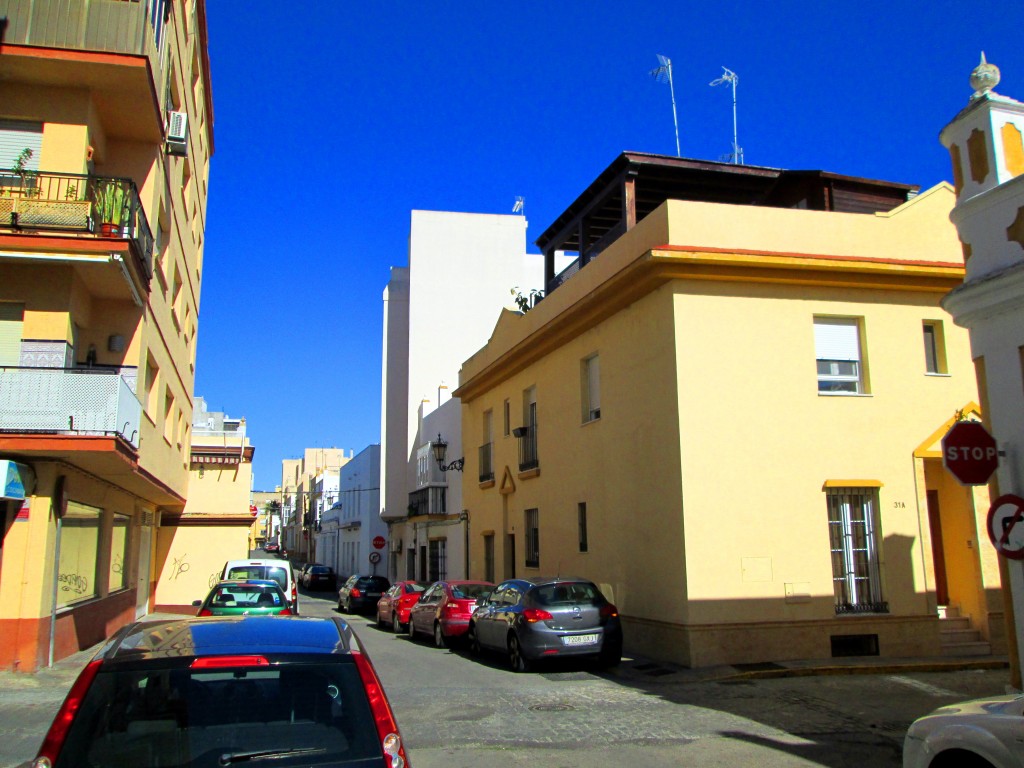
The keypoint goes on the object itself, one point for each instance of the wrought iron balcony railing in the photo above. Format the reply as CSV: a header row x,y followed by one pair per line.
x,y
68,202
68,401
527,447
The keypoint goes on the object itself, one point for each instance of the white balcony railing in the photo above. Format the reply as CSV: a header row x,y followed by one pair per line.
x,y
68,401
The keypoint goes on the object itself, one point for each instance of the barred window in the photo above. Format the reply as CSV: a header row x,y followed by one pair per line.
x,y
438,570
853,535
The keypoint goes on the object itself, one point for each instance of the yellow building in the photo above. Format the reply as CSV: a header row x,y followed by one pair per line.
x,y
217,522
728,415
105,142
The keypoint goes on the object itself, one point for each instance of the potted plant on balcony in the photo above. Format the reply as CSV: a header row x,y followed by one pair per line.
x,y
112,207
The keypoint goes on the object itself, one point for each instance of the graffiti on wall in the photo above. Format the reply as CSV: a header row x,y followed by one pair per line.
x,y
74,583
178,567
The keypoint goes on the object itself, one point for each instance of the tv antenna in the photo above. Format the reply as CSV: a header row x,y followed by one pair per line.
x,y
728,76
663,74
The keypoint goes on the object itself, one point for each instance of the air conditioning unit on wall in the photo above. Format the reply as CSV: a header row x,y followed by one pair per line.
x,y
177,133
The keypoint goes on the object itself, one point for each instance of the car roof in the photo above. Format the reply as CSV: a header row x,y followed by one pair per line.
x,y
229,635
537,581
261,582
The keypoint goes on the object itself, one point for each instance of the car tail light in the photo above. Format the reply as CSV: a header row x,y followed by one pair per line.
x,y
609,611
536,614
451,608
62,722
355,593
295,594
383,717
205,612
216,662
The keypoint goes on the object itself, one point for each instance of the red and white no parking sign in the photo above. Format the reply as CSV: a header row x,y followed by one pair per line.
x,y
1006,526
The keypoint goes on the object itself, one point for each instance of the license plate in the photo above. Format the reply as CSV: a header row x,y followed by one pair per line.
x,y
580,640
373,594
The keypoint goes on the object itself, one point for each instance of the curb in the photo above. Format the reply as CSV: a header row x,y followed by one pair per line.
x,y
869,669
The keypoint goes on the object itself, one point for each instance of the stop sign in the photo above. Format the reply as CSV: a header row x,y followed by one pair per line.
x,y
379,542
970,453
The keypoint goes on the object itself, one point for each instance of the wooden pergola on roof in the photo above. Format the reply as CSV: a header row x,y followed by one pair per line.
x,y
637,183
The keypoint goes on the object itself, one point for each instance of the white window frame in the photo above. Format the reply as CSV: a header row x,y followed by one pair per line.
x,y
838,352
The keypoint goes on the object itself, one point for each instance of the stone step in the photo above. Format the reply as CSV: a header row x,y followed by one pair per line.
x,y
979,648
948,625
949,611
952,636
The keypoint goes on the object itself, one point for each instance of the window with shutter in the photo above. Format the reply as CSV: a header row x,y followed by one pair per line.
x,y
838,351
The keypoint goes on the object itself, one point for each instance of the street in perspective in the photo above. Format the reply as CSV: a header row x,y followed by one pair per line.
x,y
458,711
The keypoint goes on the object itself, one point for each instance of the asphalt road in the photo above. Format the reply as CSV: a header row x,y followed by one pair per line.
x,y
459,712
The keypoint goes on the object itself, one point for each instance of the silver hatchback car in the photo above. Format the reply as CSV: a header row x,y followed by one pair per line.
x,y
547,618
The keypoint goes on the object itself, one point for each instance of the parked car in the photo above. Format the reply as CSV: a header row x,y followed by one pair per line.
x,y
226,691
393,606
444,610
240,597
265,568
271,546
360,593
984,733
317,576
547,617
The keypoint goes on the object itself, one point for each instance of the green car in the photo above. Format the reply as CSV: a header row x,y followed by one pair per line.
x,y
240,597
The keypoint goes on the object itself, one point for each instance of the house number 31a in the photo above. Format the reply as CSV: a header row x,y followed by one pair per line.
x,y
899,505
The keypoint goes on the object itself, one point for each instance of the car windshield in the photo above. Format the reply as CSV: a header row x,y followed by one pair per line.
x,y
567,593
470,591
297,714
275,572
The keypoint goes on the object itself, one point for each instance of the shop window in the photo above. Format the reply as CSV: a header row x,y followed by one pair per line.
x,y
118,578
79,545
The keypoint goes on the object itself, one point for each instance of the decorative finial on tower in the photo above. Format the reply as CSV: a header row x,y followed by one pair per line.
x,y
984,78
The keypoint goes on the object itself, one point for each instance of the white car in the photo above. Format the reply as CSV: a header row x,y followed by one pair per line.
x,y
983,733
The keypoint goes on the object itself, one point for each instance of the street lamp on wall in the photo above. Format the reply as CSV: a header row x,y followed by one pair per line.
x,y
440,449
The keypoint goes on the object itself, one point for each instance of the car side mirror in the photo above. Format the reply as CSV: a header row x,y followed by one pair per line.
x,y
482,600
197,603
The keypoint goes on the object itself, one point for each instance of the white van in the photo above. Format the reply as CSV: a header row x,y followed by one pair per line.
x,y
266,568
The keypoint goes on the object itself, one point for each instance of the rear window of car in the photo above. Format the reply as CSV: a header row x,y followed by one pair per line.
x,y
567,593
374,582
470,591
179,717
277,573
412,589
321,569
246,596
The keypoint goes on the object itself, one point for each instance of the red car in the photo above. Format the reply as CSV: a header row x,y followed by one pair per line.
x,y
393,606
444,610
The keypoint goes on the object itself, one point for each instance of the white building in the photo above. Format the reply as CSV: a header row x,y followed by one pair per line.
x,y
438,311
350,524
986,143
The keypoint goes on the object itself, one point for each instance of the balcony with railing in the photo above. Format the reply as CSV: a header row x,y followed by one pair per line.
x,y
87,205
68,401
112,26
527,437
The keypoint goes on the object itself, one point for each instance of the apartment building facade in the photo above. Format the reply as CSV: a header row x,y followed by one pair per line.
x,y
350,530
728,415
217,521
106,134
480,258
304,495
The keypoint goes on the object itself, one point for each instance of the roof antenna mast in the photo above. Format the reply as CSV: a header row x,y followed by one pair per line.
x,y
728,76
663,74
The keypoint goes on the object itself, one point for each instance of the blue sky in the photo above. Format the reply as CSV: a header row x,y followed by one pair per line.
x,y
334,120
